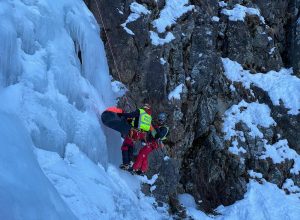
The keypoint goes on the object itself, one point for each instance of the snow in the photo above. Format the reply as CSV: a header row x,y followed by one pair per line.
x,y
280,86
50,99
235,149
215,18
137,10
189,203
238,13
290,186
173,10
272,50
25,193
279,152
175,94
162,61
55,94
253,174
156,40
252,114
222,4
261,201
118,88
166,158
92,192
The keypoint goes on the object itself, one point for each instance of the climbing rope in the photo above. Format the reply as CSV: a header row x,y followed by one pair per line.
x,y
110,48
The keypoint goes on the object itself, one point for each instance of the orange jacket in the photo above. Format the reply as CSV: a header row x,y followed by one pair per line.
x,y
114,109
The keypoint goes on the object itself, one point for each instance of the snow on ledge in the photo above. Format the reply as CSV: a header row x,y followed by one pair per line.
x,y
156,40
238,13
173,10
280,85
290,186
175,94
234,149
137,10
254,175
279,152
252,114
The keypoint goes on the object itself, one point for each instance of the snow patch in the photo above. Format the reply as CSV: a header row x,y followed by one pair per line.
x,y
175,94
235,149
281,86
238,13
173,10
279,152
137,10
118,88
252,114
254,175
290,186
156,40
215,18
162,61
222,4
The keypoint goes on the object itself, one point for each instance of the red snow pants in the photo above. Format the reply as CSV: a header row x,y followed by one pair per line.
x,y
141,162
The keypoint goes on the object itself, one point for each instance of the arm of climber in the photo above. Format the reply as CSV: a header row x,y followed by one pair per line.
x,y
134,114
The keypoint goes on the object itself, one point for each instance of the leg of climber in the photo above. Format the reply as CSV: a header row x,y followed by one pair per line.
x,y
127,146
142,159
139,160
130,154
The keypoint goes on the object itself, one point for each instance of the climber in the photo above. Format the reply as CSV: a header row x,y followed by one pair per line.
x,y
132,126
155,140
141,124
110,118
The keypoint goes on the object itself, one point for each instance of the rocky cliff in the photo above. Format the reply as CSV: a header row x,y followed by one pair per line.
x,y
153,60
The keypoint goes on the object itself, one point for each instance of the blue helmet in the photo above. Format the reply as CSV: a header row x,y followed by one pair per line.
x,y
162,117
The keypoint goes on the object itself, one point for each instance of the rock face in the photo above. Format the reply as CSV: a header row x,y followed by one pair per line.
x,y
200,162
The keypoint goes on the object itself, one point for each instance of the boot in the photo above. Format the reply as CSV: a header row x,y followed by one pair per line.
x,y
124,166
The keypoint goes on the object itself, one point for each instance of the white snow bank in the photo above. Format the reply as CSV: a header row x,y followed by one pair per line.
x,y
93,193
137,10
281,86
25,193
252,114
156,40
173,10
261,201
279,152
175,94
189,203
238,13
290,186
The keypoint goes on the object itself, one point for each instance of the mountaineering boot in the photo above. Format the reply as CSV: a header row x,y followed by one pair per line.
x,y
124,166
137,172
